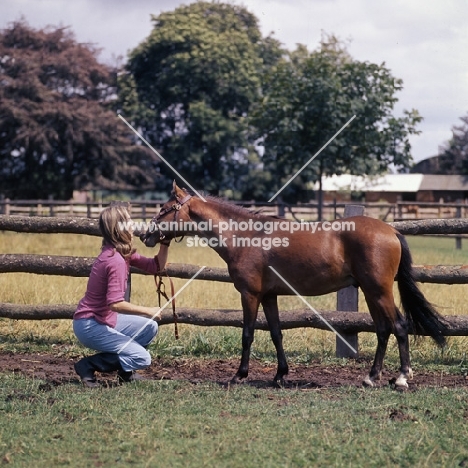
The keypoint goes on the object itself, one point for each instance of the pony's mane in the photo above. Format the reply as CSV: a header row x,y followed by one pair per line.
x,y
231,206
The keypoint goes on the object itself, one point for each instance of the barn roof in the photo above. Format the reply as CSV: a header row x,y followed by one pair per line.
x,y
444,182
383,183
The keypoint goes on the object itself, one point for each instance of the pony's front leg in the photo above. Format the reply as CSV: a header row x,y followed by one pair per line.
x,y
270,308
250,303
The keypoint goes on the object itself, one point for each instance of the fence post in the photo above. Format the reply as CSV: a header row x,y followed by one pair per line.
x,y
128,291
347,301
281,208
458,239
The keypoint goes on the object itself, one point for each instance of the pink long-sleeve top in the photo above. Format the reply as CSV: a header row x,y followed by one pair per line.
x,y
107,284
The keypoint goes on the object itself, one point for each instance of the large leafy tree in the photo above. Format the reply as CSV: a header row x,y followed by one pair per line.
x,y
453,155
308,97
189,88
57,133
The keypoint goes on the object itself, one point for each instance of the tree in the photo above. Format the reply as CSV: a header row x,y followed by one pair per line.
x,y
453,155
308,97
57,131
189,88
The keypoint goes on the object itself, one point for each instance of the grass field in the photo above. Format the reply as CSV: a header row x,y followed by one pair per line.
x,y
176,424
163,423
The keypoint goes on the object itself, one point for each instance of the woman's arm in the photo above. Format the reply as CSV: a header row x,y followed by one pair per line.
x,y
124,307
151,265
162,255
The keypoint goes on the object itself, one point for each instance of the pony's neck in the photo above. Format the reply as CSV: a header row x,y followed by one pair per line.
x,y
217,211
220,217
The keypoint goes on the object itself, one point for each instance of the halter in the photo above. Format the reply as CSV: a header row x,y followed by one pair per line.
x,y
160,287
174,207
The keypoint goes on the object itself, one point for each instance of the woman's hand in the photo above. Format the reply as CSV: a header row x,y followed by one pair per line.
x,y
155,313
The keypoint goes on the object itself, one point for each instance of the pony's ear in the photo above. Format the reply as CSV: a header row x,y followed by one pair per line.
x,y
177,191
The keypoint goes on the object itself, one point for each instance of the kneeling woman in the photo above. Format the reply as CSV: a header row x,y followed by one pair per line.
x,y
104,320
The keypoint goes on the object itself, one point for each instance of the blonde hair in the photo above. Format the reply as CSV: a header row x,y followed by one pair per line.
x,y
113,233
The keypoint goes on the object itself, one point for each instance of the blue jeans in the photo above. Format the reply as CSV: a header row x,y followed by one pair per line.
x,y
131,335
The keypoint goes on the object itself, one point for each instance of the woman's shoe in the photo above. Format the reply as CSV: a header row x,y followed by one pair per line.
x,y
102,362
86,372
130,376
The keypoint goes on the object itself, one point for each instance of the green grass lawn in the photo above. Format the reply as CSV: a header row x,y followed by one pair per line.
x,y
177,424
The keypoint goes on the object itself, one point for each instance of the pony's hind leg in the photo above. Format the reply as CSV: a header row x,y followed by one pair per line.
x,y
270,308
383,334
382,308
389,320
401,334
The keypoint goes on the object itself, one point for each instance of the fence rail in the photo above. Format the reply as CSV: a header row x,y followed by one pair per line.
x,y
145,209
81,266
89,226
345,322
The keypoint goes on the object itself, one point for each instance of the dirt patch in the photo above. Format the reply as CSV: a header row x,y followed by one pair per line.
x,y
400,414
56,370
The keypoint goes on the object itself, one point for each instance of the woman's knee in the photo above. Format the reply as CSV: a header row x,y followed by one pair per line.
x,y
141,329
153,328
149,333
145,359
135,360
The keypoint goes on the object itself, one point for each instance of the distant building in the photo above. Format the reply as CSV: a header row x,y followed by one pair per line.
x,y
395,187
449,188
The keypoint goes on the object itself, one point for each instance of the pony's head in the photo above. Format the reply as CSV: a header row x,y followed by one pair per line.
x,y
165,225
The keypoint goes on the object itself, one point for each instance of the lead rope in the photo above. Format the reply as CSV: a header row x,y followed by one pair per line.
x,y
161,290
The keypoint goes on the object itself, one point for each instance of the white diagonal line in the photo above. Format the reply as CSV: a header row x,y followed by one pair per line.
x,y
157,154
312,158
132,338
313,310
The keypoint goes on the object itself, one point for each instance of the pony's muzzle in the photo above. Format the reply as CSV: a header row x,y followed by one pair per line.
x,y
149,238
152,235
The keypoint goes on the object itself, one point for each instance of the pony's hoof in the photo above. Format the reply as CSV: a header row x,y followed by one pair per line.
x,y
279,382
237,380
400,384
367,382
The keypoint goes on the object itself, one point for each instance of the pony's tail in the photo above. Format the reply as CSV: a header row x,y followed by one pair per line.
x,y
422,317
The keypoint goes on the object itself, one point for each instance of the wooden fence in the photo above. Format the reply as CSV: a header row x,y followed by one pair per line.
x,y
345,321
146,209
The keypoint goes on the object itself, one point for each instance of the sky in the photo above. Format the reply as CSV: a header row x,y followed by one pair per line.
x,y
422,42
